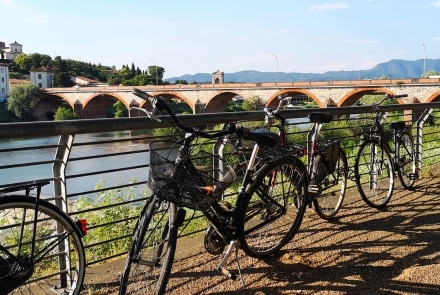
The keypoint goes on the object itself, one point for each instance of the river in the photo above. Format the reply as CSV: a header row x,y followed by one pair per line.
x,y
76,185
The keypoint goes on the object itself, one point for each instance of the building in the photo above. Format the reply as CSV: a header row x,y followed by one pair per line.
x,y
83,81
218,77
12,51
42,77
4,81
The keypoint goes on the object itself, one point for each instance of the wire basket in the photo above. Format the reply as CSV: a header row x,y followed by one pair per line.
x,y
192,182
362,123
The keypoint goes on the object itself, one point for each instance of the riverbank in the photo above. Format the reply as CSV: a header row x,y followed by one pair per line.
x,y
363,251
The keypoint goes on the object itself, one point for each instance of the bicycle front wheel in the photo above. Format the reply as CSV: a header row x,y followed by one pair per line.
x,y
150,258
374,174
273,207
332,186
41,248
406,162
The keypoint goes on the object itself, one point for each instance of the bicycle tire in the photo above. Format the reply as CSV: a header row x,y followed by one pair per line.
x,y
148,266
329,200
55,235
266,227
374,174
406,162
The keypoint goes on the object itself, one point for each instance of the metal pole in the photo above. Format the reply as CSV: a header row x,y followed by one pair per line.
x,y
156,70
277,68
424,61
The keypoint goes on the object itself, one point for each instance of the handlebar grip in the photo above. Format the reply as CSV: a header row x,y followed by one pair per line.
x,y
142,95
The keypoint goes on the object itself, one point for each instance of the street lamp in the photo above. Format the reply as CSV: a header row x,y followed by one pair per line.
x,y
156,70
424,61
277,68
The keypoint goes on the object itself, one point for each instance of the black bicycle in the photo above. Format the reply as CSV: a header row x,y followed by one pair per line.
x,y
41,249
374,167
266,215
327,166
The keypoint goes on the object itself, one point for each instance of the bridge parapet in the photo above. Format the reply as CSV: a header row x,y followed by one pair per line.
x,y
214,97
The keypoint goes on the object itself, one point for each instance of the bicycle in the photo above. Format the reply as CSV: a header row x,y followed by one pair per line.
x,y
327,166
266,215
40,245
373,161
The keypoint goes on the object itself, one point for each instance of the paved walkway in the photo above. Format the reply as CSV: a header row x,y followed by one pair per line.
x,y
363,251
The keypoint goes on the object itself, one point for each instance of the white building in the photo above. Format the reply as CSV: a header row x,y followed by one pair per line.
x,y
42,77
4,81
12,51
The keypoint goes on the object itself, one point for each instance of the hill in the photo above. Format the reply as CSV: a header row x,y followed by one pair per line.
x,y
393,69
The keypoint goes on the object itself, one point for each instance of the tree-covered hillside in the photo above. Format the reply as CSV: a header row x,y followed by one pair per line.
x,y
64,68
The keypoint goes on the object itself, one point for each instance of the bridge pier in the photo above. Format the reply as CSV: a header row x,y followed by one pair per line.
x,y
199,107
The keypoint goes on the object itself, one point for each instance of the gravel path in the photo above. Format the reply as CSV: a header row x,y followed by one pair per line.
x,y
363,251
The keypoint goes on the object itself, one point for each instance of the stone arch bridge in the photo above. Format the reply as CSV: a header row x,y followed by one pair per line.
x,y
92,102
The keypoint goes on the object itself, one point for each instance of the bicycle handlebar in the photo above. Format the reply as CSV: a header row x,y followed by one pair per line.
x,y
159,105
386,97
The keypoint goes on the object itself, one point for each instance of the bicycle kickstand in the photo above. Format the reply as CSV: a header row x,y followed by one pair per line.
x,y
233,244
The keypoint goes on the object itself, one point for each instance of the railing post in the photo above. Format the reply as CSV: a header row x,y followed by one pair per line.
x,y
217,151
60,191
419,139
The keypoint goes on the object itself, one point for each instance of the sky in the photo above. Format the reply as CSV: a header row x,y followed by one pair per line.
x,y
203,36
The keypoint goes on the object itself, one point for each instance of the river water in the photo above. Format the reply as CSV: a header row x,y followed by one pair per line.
x,y
85,165
89,182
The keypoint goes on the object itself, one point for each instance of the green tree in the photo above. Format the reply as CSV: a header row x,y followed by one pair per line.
x,y
23,99
251,103
120,109
65,113
152,72
61,78
24,62
431,73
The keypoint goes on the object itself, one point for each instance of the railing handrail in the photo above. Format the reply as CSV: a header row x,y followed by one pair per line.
x,y
84,126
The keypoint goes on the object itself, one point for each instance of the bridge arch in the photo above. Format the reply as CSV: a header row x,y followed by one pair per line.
x,y
353,96
168,95
434,97
217,104
47,105
273,100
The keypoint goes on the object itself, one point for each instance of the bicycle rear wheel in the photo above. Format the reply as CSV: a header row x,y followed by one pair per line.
x,y
374,174
150,258
47,244
332,187
406,162
273,207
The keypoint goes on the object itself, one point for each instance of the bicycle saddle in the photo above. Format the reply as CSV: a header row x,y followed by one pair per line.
x,y
319,117
398,125
263,137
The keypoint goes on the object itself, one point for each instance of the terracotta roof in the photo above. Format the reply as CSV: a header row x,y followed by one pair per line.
x,y
42,69
86,79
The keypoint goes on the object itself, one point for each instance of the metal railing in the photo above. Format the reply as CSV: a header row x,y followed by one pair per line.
x,y
104,179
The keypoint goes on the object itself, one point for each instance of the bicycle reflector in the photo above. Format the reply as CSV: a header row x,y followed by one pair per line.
x,y
82,225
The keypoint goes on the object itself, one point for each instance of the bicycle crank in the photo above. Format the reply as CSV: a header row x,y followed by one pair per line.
x,y
214,242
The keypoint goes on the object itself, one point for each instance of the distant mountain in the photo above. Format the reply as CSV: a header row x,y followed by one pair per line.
x,y
394,69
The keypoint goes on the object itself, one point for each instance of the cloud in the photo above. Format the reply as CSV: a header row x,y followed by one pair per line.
x,y
39,19
436,38
5,1
329,6
398,52
370,42
436,4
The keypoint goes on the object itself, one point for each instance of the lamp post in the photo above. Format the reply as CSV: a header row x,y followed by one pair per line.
x,y
424,61
277,68
156,69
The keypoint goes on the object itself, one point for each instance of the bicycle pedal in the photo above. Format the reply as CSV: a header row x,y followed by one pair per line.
x,y
413,176
313,189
